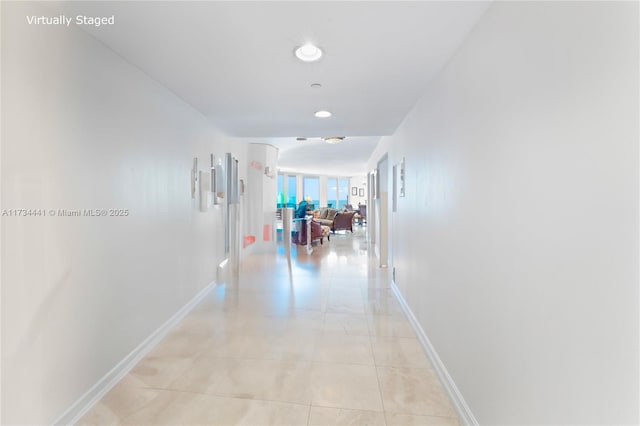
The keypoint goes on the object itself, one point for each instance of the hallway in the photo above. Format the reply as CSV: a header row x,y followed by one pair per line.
x,y
330,346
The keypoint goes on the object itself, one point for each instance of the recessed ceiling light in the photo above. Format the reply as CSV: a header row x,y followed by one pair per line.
x,y
333,139
308,53
322,114
316,85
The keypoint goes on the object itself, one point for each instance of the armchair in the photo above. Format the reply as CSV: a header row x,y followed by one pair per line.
x,y
343,220
317,233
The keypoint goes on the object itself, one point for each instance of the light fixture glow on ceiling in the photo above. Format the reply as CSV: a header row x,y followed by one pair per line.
x,y
333,139
322,114
308,53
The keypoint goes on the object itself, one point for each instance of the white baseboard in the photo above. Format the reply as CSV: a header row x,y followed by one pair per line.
x,y
106,383
459,404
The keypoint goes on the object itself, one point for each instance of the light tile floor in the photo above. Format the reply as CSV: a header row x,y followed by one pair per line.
x,y
326,344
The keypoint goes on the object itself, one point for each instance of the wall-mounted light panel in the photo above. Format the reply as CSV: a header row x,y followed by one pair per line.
x,y
402,178
194,177
218,187
232,181
205,190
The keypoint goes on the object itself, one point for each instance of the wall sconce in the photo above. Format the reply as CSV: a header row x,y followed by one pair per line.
x,y
194,177
205,191
375,184
212,184
217,179
402,178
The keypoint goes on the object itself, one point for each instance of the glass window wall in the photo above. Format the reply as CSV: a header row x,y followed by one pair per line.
x,y
290,195
311,191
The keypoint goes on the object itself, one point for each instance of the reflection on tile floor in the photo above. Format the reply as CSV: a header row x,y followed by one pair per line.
x,y
326,345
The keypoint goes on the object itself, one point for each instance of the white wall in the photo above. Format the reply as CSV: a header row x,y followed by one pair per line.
x,y
82,129
381,214
517,242
261,195
360,183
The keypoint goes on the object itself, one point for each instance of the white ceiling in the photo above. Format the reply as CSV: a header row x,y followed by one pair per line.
x,y
314,156
234,62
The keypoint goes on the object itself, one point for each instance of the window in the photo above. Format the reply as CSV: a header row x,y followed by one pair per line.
x,y
343,192
280,191
290,194
337,192
311,191
332,192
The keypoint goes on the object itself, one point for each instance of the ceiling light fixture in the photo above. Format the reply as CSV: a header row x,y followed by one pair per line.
x,y
308,53
333,139
316,85
301,139
322,114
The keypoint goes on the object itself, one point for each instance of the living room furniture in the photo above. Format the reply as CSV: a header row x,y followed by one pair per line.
x,y
326,232
318,231
343,221
325,216
335,219
362,212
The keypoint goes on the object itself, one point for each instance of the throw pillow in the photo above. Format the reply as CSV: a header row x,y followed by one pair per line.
x,y
331,214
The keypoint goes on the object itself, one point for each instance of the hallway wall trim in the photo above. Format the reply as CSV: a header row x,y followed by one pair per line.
x,y
117,373
460,405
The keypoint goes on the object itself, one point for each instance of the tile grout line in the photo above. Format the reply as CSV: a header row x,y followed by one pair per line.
x,y
309,414
218,395
375,366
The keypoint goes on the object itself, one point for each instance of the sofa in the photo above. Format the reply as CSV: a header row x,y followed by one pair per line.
x,y
335,219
